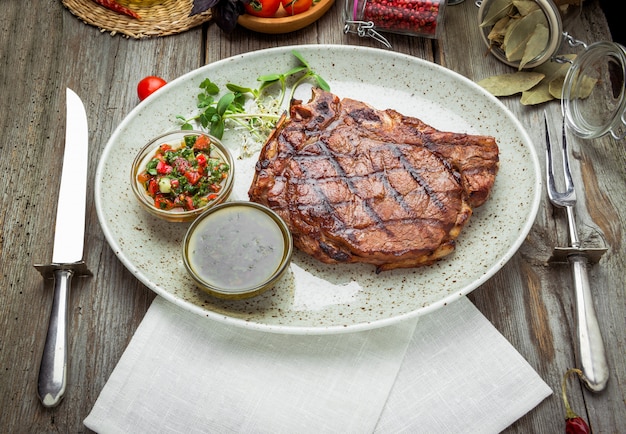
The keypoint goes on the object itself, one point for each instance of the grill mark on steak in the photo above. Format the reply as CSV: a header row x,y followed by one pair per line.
x,y
341,173
395,193
364,114
356,184
418,178
349,180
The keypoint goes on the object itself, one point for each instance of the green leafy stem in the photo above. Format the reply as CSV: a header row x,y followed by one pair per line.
x,y
231,106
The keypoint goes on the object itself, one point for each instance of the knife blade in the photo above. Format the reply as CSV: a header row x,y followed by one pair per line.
x,y
67,256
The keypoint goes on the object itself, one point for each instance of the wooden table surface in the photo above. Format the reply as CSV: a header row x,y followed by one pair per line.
x,y
45,49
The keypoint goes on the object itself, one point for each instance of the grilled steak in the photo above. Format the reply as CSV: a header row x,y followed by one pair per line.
x,y
357,184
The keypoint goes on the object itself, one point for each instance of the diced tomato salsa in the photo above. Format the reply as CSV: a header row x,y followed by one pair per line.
x,y
188,176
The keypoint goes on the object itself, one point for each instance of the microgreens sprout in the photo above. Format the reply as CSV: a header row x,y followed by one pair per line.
x,y
252,109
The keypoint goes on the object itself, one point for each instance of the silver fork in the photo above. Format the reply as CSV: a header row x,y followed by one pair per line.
x,y
590,345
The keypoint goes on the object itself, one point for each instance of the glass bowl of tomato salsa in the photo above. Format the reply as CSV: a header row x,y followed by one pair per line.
x,y
179,175
237,250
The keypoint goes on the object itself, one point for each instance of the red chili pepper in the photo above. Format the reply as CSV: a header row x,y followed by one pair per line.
x,y
116,7
574,424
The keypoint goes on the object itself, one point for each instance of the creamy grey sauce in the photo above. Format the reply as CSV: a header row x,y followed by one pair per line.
x,y
236,248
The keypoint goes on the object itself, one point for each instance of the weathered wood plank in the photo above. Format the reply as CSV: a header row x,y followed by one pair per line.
x,y
531,303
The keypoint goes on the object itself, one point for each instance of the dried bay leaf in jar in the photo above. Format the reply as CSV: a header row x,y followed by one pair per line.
x,y
525,33
367,18
591,84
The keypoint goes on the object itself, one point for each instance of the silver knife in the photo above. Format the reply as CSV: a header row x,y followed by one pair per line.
x,y
67,256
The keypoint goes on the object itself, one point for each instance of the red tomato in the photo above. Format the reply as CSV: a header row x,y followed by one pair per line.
x,y
295,7
153,187
202,144
148,85
262,8
192,176
162,202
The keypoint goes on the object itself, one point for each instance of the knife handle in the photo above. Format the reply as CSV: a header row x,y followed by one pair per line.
x,y
592,355
53,368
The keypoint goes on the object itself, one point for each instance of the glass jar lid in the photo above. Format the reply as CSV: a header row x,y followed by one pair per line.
x,y
594,92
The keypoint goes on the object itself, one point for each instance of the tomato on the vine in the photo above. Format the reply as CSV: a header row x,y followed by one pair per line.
x,y
262,8
148,85
295,7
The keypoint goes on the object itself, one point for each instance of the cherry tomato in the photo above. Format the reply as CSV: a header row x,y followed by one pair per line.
x,y
295,7
262,8
148,85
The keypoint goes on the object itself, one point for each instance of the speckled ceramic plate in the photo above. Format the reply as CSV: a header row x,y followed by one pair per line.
x,y
315,298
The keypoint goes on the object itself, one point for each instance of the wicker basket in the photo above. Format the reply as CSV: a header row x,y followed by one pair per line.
x,y
166,17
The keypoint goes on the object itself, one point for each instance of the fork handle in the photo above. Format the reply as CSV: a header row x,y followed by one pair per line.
x,y
591,347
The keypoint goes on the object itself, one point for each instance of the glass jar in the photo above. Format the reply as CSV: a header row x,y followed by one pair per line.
x,y
495,22
593,101
602,64
367,18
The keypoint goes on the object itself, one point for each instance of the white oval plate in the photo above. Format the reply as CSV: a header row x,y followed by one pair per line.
x,y
315,298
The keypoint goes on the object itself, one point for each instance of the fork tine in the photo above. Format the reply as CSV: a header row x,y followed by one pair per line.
x,y
569,183
558,198
552,192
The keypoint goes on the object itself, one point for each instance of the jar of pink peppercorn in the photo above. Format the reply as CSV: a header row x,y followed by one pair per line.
x,y
367,18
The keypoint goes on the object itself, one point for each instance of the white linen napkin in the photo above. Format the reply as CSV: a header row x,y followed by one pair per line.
x,y
451,371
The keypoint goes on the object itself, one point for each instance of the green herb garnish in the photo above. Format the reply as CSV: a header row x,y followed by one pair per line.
x,y
251,108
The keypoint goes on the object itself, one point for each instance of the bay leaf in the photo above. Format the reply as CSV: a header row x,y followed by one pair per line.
x,y
518,36
553,69
537,95
496,35
556,87
510,84
524,7
536,44
510,29
497,9
584,88
567,2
